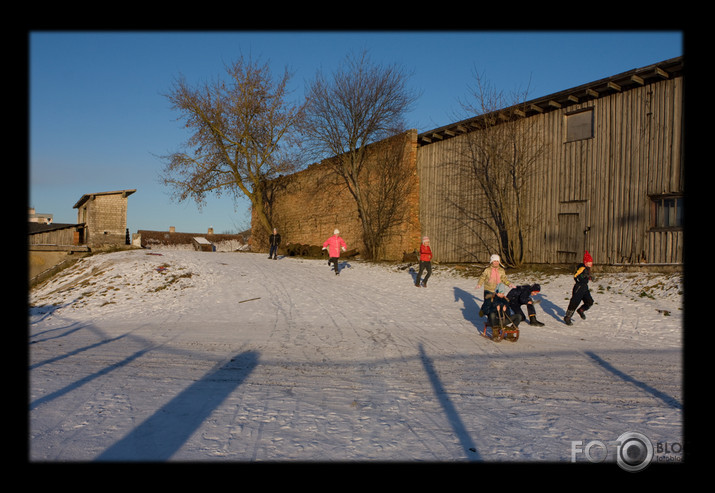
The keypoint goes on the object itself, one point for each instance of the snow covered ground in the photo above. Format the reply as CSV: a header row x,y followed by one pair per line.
x,y
171,355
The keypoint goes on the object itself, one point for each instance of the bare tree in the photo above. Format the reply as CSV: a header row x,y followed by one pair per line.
x,y
498,159
241,136
389,181
361,104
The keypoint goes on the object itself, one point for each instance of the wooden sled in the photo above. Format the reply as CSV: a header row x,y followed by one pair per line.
x,y
506,330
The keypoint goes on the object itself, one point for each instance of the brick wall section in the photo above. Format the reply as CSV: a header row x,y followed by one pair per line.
x,y
310,204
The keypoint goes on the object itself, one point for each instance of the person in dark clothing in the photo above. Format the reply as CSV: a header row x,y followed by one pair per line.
x,y
425,263
581,292
521,295
498,310
274,240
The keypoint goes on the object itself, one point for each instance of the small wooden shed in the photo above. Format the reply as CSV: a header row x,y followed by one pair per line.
x,y
202,244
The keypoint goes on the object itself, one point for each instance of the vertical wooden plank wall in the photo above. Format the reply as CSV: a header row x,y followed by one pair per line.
x,y
601,185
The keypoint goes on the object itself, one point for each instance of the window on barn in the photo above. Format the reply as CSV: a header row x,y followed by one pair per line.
x,y
666,212
579,125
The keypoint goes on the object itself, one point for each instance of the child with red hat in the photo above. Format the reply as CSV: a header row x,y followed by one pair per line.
x,y
580,292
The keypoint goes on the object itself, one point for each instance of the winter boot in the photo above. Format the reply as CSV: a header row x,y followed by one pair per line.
x,y
534,322
581,313
424,284
567,318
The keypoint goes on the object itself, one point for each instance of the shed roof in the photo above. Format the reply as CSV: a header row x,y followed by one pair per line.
x,y
593,90
34,228
87,196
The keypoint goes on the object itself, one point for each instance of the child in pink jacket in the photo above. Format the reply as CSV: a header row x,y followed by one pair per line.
x,y
334,244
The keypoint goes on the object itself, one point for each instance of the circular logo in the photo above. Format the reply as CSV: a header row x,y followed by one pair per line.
x,y
635,451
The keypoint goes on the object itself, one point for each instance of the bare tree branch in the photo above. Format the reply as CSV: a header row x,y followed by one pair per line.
x,y
242,135
359,105
499,158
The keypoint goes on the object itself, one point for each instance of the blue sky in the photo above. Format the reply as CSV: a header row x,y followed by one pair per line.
x,y
99,120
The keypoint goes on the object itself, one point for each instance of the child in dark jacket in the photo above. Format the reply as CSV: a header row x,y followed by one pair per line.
x,y
581,292
521,295
497,309
274,241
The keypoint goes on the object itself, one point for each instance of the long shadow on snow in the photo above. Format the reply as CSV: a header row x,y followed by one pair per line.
x,y
45,311
68,388
551,309
55,333
471,308
667,399
163,433
450,411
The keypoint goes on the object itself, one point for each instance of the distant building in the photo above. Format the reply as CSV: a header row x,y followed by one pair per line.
x,y
104,216
101,221
34,217
45,234
192,241
53,236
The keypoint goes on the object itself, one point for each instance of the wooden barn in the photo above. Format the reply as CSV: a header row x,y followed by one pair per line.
x,y
600,168
605,174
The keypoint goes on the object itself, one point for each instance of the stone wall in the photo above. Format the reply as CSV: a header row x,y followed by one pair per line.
x,y
310,204
106,220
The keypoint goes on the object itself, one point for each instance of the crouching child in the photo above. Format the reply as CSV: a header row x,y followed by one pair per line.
x,y
523,295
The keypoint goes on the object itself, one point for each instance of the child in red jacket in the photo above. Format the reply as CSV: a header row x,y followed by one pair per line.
x,y
425,262
334,245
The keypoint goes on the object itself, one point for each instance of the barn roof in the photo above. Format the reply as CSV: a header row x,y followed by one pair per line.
x,y
593,90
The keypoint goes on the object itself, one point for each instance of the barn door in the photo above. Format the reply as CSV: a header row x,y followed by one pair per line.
x,y
572,228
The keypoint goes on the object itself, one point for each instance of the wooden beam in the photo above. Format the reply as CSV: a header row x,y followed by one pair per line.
x,y
659,71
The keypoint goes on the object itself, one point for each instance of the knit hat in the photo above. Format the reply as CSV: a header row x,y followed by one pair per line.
x,y
336,232
587,257
425,238
535,287
495,257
